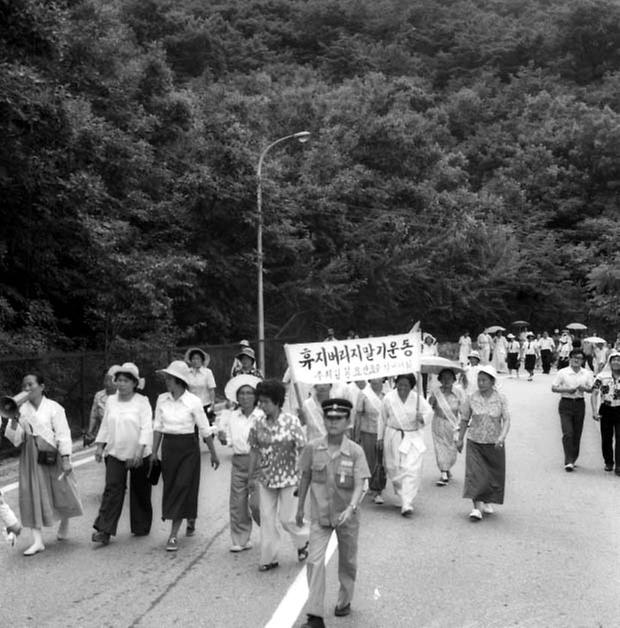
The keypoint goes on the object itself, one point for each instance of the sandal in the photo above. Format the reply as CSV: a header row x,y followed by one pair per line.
x,y
268,566
171,545
302,552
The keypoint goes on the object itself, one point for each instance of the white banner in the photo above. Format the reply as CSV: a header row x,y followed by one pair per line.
x,y
351,360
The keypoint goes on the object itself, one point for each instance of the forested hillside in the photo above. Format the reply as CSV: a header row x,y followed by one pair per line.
x,y
463,169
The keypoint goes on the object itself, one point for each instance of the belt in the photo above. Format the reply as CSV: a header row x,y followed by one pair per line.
x,y
573,399
402,432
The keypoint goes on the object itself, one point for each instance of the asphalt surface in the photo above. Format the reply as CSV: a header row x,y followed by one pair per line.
x,y
550,556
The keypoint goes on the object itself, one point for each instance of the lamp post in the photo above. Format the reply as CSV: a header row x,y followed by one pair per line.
x,y
302,137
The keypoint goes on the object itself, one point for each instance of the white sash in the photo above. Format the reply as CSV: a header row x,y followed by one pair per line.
x,y
445,408
375,401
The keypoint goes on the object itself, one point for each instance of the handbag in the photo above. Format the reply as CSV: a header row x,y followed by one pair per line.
x,y
47,454
154,473
378,479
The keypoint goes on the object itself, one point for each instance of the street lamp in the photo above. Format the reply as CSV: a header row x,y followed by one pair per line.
x,y
302,137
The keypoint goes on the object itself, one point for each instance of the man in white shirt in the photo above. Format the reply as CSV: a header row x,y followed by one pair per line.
x,y
547,346
572,382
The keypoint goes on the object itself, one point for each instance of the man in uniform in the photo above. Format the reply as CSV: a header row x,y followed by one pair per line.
x,y
335,470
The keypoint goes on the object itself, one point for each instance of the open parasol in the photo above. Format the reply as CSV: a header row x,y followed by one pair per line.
x,y
595,340
577,326
435,363
494,329
520,324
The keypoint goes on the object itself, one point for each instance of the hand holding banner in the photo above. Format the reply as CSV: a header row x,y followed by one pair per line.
x,y
355,359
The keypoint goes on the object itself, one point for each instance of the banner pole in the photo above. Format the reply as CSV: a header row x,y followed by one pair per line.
x,y
293,378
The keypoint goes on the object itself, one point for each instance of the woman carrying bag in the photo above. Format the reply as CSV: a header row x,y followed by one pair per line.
x,y
47,487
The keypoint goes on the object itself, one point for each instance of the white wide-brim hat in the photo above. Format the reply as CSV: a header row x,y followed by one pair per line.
x,y
234,384
206,358
178,369
488,370
129,368
474,354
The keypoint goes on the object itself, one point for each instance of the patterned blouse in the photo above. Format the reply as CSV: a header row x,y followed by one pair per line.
x,y
487,416
279,443
609,388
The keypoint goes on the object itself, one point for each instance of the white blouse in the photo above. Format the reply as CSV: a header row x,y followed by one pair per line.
x,y
126,426
179,416
237,426
200,381
48,421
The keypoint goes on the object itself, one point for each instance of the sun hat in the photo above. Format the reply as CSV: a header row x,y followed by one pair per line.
x,y
244,343
237,382
177,368
474,354
113,370
510,336
129,368
248,352
530,333
488,370
206,358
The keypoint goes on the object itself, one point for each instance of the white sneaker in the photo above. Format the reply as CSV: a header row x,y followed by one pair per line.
x,y
247,546
378,499
475,515
487,509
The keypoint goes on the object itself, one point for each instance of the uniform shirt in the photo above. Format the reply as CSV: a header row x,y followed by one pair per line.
x,y
237,426
567,378
279,442
179,416
332,477
530,347
126,426
48,421
487,416
514,347
200,381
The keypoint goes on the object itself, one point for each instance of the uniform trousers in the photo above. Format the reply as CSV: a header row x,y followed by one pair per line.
x,y
278,503
140,508
572,413
347,535
545,358
240,519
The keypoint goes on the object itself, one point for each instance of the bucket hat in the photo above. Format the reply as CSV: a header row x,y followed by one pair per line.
x,y
177,368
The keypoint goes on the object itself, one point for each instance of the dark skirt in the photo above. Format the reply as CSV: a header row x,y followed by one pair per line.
x,y
513,361
530,362
180,470
485,473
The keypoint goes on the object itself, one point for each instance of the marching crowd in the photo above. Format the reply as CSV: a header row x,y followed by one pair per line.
x,y
331,442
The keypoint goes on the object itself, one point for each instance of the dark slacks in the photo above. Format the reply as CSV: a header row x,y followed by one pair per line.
x,y
572,413
610,427
545,358
140,509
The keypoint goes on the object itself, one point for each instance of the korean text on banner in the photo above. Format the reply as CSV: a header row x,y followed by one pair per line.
x,y
351,360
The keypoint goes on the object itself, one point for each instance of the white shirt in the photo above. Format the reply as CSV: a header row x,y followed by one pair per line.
x,y
179,416
546,343
567,378
126,426
530,347
200,381
48,421
237,426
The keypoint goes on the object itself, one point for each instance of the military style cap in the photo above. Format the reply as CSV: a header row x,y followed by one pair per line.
x,y
337,408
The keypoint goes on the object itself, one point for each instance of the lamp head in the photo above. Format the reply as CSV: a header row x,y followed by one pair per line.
x,y
302,136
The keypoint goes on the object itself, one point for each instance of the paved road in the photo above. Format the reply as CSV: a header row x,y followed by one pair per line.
x,y
549,557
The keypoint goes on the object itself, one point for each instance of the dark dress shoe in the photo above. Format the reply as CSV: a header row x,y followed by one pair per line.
x,y
100,537
314,621
269,566
342,611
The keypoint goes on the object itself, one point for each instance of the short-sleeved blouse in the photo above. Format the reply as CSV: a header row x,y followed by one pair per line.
x,y
487,416
279,442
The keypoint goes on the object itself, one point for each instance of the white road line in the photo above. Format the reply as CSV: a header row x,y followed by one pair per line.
x,y
293,602
77,463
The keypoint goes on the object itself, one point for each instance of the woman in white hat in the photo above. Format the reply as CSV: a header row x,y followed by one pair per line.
x,y
98,408
201,380
247,359
486,418
125,439
530,354
47,486
177,413
234,428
